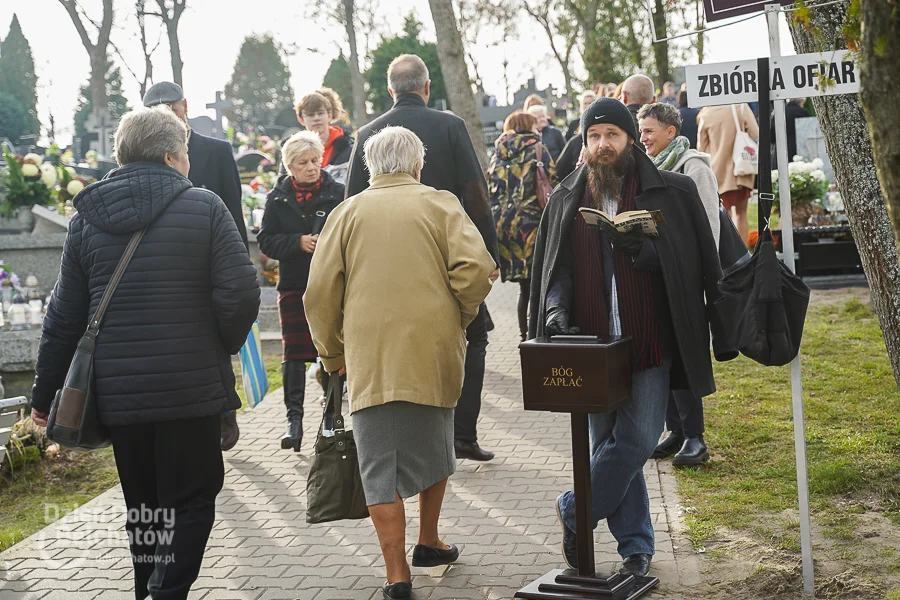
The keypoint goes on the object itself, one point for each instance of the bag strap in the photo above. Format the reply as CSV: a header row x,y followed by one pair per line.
x,y
540,155
114,281
766,198
334,397
737,124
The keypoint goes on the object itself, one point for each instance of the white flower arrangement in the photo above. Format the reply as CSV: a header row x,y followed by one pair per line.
x,y
808,181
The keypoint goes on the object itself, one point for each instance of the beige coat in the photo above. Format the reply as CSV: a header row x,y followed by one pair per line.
x,y
398,274
715,136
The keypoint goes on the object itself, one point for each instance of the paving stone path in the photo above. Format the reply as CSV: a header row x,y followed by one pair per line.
x,y
500,513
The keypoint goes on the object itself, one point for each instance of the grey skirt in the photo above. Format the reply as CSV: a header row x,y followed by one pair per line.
x,y
403,448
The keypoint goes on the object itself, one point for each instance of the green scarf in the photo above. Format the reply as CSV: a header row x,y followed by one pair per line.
x,y
672,153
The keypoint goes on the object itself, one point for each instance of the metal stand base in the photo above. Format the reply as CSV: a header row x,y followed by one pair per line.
x,y
568,585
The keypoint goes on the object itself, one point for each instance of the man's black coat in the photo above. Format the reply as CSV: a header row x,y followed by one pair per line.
x,y
450,161
213,168
687,257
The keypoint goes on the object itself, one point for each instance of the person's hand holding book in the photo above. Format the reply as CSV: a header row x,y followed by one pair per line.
x,y
629,242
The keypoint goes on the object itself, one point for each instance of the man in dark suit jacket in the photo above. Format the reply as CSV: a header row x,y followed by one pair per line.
x,y
451,165
212,162
213,168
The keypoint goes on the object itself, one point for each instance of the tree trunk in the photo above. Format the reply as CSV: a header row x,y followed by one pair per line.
x,y
661,49
850,150
97,51
879,80
175,48
356,80
456,74
701,37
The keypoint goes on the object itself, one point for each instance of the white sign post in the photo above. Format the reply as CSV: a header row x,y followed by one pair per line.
x,y
787,236
800,76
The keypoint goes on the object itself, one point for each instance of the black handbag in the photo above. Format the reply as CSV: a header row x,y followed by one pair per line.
x,y
334,488
73,421
733,252
763,303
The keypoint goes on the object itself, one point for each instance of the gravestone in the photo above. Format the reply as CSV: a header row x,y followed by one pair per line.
x,y
203,125
811,143
103,126
248,163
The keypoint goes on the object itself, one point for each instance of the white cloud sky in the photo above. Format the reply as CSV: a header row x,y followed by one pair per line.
x,y
212,31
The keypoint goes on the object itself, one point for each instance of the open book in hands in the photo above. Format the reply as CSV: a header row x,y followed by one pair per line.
x,y
624,222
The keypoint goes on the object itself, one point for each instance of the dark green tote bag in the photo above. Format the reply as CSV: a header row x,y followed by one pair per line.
x,y
334,488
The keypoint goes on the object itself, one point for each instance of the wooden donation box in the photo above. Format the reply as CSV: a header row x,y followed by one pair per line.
x,y
580,375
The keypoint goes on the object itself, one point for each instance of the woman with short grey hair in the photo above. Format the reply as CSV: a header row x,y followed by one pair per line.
x,y
296,210
398,275
162,360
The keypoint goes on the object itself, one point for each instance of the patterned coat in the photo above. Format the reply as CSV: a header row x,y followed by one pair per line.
x,y
512,180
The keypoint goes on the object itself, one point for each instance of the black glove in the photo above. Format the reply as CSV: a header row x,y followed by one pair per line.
x,y
558,322
629,242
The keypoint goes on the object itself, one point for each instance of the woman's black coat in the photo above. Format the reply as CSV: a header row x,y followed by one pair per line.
x,y
184,306
286,221
687,258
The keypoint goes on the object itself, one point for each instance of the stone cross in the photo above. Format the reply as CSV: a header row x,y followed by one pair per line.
x,y
101,124
220,105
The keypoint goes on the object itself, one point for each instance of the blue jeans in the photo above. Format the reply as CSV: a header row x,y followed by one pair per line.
x,y
621,443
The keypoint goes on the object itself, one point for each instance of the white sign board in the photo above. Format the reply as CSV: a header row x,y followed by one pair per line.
x,y
800,76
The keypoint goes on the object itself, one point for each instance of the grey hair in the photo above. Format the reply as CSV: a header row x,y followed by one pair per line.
x,y
394,150
666,114
406,74
586,94
299,143
537,109
639,88
147,134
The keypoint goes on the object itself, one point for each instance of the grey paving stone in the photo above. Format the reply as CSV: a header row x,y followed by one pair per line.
x,y
500,513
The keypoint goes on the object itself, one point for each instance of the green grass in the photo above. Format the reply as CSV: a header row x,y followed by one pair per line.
x,y
67,480
852,411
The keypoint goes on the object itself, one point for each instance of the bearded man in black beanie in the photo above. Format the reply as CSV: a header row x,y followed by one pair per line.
x,y
657,290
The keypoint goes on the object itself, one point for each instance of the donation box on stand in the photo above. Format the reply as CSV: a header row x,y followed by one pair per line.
x,y
579,375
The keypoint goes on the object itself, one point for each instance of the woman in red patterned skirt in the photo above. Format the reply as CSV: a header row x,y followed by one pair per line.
x,y
296,210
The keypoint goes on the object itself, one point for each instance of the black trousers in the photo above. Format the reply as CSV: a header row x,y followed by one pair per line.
x,y
684,413
171,474
469,405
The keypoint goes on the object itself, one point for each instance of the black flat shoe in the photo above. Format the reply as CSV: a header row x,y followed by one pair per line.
x,y
402,590
472,451
426,556
693,452
669,446
637,565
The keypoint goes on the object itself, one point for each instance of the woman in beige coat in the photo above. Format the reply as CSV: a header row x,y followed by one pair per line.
x,y
398,274
715,136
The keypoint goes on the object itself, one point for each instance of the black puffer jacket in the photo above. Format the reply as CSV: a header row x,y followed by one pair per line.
x,y
286,221
183,307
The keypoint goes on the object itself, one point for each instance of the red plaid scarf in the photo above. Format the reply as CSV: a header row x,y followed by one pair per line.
x,y
306,191
637,310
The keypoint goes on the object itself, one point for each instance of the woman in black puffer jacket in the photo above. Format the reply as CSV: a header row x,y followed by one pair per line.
x,y
296,211
162,363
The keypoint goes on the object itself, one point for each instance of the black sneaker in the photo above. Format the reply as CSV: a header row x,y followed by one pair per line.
x,y
569,548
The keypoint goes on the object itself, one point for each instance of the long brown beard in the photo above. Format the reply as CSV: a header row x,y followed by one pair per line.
x,y
606,178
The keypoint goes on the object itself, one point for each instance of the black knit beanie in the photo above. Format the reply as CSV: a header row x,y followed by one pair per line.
x,y
607,110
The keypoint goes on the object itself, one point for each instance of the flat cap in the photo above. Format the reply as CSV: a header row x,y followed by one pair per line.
x,y
164,92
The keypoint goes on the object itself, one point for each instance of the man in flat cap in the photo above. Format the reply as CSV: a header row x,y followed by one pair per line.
x,y
213,168
658,291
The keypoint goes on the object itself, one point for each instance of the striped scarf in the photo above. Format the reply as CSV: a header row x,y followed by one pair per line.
x,y
637,310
